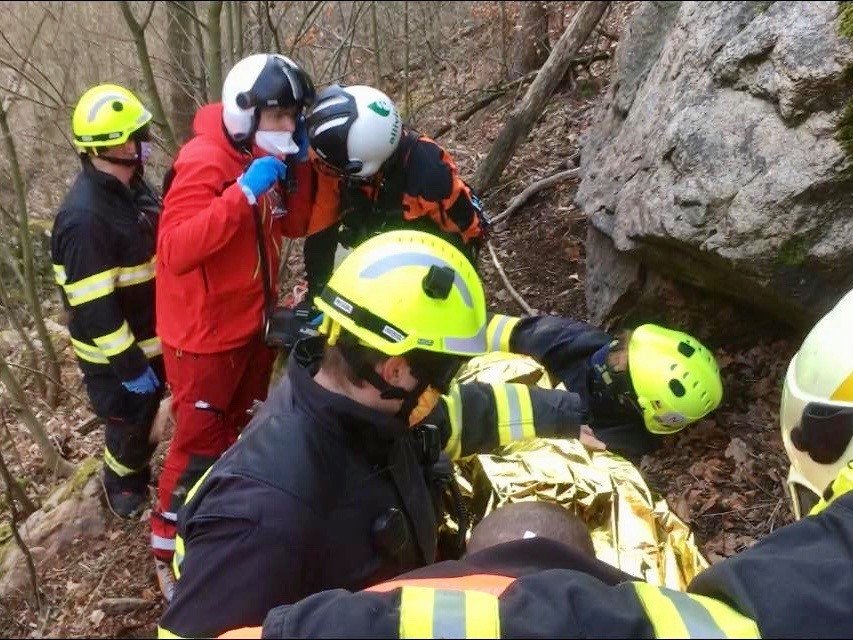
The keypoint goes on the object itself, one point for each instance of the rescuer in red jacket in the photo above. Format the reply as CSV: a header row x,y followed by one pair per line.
x,y
234,191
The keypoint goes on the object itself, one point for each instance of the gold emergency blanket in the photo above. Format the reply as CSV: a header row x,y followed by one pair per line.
x,y
631,528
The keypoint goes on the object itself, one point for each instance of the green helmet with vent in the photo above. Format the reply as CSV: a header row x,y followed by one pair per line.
x,y
675,378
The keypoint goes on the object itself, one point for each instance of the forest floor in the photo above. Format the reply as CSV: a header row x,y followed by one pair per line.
x,y
724,476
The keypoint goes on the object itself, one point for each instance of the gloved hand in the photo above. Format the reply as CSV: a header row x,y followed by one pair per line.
x,y
300,137
146,383
260,177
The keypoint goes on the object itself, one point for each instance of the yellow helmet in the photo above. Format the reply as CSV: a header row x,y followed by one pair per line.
x,y
406,290
106,116
675,378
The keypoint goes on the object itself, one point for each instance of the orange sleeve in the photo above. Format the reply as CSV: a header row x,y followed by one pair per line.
x,y
245,632
326,204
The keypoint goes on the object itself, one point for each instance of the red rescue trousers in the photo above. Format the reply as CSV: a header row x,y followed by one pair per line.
x,y
211,393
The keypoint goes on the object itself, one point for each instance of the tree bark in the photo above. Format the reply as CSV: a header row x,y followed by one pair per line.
x,y
32,353
138,33
523,117
213,59
52,458
180,27
229,33
530,41
377,59
30,288
238,28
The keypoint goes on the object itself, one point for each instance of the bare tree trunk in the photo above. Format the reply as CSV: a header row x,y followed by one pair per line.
x,y
377,59
260,11
238,28
229,33
32,353
52,458
504,40
406,95
530,43
13,489
30,290
137,30
180,27
522,118
214,50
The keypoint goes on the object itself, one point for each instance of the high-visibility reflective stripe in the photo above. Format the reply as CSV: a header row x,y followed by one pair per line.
x,y
674,614
499,332
426,612
483,582
137,274
453,400
88,352
118,467
169,515
59,274
91,288
151,347
114,343
178,558
474,345
159,542
515,412
412,259
166,634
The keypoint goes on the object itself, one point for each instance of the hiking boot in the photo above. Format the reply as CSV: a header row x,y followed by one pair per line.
x,y
165,578
127,504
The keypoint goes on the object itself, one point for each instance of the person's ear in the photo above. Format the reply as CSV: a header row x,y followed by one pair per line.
x,y
396,371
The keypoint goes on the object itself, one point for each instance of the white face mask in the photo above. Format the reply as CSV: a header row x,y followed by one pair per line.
x,y
278,143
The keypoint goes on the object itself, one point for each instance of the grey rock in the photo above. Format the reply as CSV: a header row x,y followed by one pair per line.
x,y
714,160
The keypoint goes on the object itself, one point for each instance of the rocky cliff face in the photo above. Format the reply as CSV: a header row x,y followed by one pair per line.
x,y
717,162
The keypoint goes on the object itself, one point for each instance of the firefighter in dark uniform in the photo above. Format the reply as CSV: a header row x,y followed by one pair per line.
x,y
795,583
103,253
376,175
327,486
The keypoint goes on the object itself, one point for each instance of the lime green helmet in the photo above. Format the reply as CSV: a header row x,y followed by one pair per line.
x,y
106,116
407,290
675,378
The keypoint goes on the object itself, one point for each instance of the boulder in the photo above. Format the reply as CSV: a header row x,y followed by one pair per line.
x,y
715,171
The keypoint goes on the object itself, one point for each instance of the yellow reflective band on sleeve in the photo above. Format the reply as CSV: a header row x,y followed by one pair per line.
x,y
114,343
151,347
453,400
427,612
137,274
59,274
842,484
88,352
178,557
674,614
91,288
120,469
165,633
514,412
498,332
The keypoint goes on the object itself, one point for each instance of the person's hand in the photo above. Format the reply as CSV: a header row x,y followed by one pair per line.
x,y
588,439
260,177
300,137
146,383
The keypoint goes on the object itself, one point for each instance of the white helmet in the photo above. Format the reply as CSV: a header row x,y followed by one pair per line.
x,y
354,129
816,414
258,81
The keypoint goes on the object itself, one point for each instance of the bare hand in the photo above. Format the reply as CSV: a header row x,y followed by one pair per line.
x,y
588,439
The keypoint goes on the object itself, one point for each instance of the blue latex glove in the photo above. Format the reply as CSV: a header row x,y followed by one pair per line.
x,y
316,321
146,383
300,137
260,177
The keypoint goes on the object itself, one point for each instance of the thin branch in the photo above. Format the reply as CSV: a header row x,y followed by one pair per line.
x,y
145,22
530,311
192,15
46,377
534,188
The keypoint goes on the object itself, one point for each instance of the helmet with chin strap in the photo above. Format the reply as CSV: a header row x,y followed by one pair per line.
x,y
261,81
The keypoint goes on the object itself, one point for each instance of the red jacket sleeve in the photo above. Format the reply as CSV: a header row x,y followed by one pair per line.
x,y
201,213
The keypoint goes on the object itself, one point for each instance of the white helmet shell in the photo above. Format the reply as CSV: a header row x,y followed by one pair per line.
x,y
821,372
354,129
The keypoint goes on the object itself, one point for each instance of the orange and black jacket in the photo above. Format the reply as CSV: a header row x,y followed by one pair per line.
x,y
419,188
795,583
